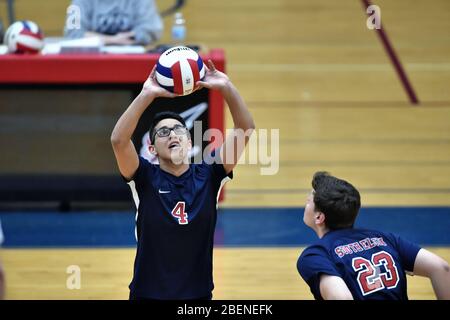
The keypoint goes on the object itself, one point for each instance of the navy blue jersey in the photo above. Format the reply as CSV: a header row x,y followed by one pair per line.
x,y
175,224
373,264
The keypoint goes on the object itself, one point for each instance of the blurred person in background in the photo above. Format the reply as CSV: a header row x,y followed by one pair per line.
x,y
116,22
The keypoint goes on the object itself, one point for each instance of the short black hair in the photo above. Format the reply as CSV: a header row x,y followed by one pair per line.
x,y
337,199
161,116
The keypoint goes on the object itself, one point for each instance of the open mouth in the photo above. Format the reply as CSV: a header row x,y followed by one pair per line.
x,y
174,144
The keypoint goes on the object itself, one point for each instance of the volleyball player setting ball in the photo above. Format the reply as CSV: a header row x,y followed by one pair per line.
x,y
176,201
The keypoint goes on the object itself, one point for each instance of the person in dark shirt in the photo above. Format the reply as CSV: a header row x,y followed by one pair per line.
x,y
176,200
360,264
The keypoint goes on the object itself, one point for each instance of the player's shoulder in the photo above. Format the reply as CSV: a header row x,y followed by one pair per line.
x,y
355,233
147,165
336,238
318,248
209,166
365,235
201,168
372,233
315,255
143,161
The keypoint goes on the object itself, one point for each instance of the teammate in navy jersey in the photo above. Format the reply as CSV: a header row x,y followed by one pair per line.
x,y
176,200
350,263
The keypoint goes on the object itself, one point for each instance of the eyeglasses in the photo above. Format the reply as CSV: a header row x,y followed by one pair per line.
x,y
178,129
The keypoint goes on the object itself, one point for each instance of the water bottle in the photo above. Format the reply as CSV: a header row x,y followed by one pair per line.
x,y
178,30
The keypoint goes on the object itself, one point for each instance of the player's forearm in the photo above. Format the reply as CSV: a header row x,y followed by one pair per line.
x,y
435,268
334,288
242,118
440,279
127,123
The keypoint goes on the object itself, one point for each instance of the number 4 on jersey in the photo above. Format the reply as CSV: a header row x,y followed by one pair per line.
x,y
180,213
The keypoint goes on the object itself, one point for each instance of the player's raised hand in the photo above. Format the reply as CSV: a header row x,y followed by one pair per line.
x,y
152,89
214,79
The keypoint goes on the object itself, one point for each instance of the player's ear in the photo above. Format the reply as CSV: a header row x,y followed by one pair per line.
x,y
319,217
152,150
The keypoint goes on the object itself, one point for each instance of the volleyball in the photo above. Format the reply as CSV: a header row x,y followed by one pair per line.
x,y
178,69
24,37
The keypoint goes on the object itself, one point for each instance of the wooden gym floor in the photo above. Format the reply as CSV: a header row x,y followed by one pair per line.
x,y
239,273
312,70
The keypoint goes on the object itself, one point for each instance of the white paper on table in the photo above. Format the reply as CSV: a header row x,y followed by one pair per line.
x,y
51,48
123,49
3,49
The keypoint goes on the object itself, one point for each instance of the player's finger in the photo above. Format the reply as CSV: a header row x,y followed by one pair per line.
x,y
168,94
152,73
206,68
203,84
211,65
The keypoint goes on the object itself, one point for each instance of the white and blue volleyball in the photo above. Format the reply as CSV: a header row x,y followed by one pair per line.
x,y
24,37
178,69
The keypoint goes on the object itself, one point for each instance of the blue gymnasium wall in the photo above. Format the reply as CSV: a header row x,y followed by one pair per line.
x,y
256,227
